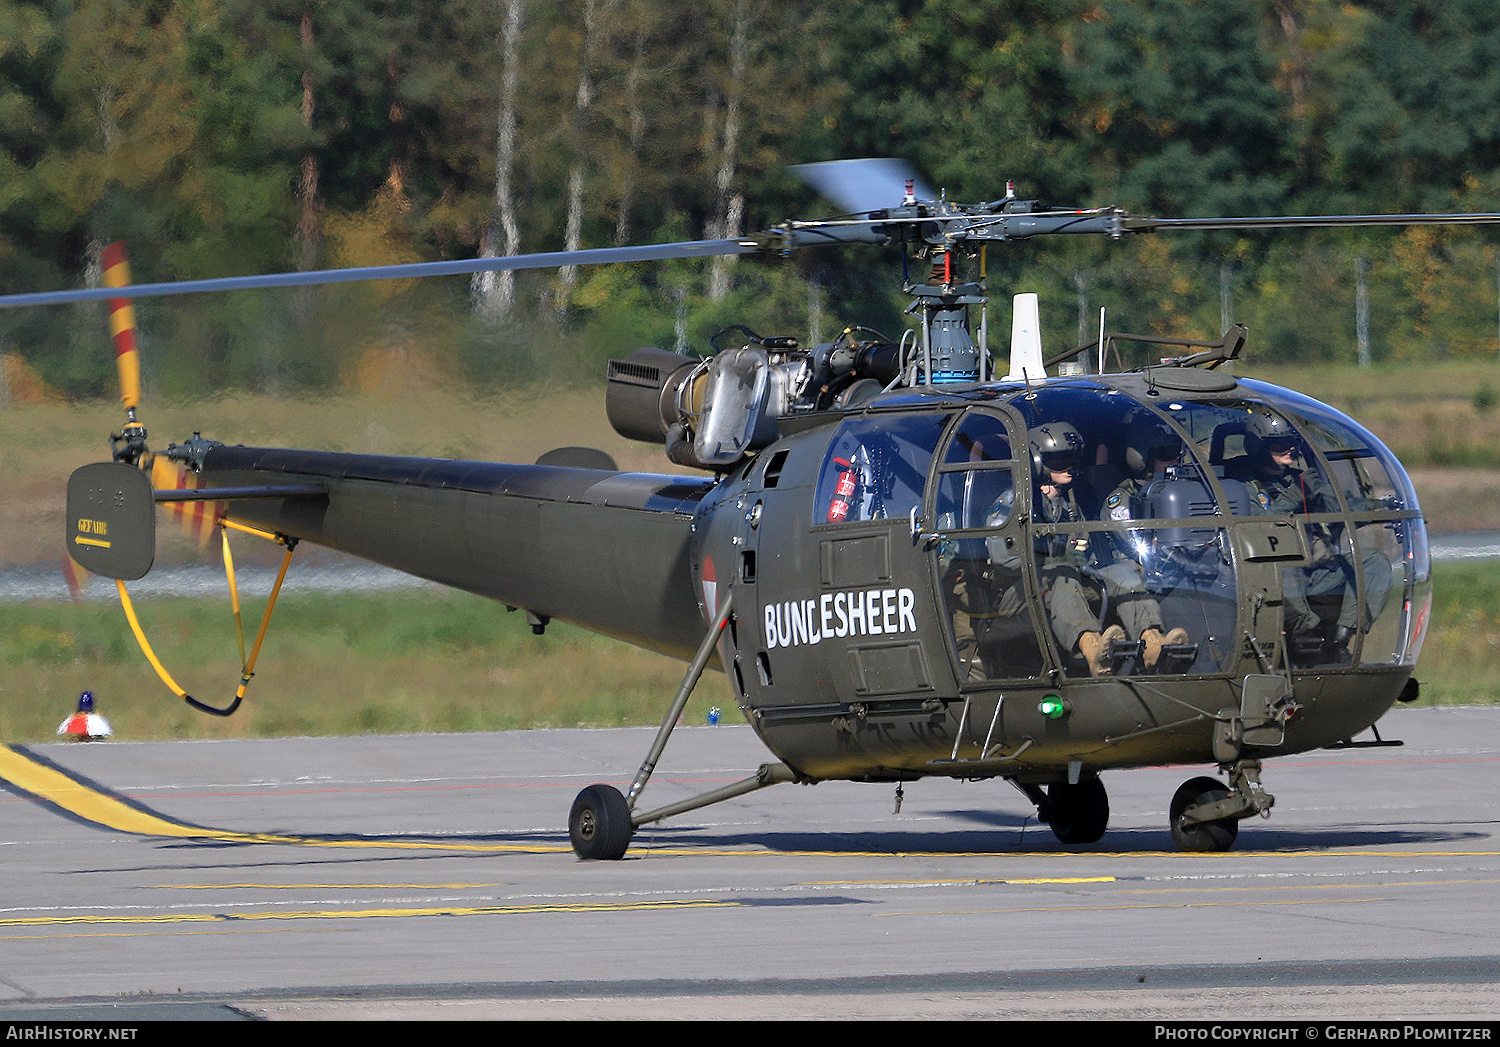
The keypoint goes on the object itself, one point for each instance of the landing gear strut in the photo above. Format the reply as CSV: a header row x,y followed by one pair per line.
x,y
1205,813
602,820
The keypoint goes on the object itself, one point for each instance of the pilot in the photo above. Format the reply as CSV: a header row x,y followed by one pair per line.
x,y
1150,446
1057,453
1272,447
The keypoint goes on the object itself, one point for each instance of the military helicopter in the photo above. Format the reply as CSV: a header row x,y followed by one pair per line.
x,y
906,563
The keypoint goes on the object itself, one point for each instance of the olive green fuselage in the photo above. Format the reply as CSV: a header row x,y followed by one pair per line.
x,y
847,647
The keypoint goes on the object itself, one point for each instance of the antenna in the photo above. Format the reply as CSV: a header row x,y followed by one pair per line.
x,y
1025,340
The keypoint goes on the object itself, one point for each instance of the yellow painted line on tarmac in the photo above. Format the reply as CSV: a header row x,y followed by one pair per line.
x,y
95,919
1308,886
323,886
960,881
44,937
89,803
1117,908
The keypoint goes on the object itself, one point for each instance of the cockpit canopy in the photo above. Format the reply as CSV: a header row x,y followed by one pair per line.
x,y
1143,523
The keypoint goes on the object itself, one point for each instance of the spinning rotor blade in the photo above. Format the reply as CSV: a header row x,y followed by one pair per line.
x,y
1333,221
862,186
122,325
551,259
874,187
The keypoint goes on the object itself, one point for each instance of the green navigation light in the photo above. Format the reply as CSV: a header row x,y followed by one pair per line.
x,y
1053,707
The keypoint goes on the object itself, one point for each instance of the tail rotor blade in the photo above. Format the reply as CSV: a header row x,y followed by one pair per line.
x,y
196,519
122,325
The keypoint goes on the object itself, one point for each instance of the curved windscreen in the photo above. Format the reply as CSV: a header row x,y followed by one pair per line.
x,y
1149,516
876,467
1370,584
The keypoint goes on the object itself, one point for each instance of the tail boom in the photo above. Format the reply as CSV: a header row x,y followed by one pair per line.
x,y
607,551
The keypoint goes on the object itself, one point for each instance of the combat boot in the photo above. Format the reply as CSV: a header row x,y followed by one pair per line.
x,y
1095,649
1155,641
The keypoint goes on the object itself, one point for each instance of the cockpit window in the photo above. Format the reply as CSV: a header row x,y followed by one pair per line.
x,y
980,438
1363,470
1369,584
876,467
979,555
975,485
1120,592
1126,526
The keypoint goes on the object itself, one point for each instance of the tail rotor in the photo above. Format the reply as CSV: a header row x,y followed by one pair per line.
x,y
129,444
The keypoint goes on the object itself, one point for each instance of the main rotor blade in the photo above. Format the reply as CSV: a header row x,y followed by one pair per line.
x,y
1334,221
597,256
864,185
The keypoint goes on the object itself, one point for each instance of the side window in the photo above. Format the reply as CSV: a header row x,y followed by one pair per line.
x,y
876,468
979,564
975,483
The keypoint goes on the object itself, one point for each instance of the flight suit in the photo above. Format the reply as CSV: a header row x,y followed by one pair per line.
x,y
1061,559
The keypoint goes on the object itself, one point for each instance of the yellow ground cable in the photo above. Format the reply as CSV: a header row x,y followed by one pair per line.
x,y
40,778
247,665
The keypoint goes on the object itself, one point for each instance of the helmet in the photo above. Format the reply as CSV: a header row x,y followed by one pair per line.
x,y
1055,445
1267,433
1148,440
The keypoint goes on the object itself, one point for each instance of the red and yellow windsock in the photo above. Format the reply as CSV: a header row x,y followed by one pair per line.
x,y
122,325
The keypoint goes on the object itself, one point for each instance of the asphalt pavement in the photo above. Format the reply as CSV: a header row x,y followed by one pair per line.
x,y
428,876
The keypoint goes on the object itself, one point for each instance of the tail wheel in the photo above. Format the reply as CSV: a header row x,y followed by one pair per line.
x,y
599,824
1078,813
1203,836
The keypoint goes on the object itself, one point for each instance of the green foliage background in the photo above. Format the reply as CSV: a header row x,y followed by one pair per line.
x,y
221,137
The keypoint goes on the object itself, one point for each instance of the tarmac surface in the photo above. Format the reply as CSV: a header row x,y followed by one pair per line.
x,y
430,876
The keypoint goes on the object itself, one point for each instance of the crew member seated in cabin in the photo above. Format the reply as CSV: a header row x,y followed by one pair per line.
x,y
1057,450
1150,446
1322,602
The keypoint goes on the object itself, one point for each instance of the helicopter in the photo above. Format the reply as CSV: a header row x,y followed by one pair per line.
x,y
905,562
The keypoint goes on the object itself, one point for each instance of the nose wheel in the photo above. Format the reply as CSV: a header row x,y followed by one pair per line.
x,y
1192,835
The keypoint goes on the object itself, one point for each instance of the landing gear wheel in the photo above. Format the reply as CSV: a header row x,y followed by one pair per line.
x,y
599,824
1078,813
1205,836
